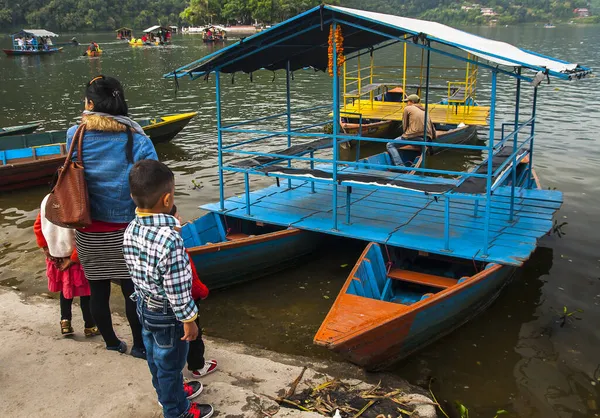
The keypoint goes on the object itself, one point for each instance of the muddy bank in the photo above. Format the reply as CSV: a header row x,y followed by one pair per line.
x,y
45,374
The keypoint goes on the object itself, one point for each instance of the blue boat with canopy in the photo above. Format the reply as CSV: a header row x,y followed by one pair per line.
x,y
443,242
32,42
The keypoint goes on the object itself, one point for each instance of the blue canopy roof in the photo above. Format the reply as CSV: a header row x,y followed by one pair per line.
x,y
303,41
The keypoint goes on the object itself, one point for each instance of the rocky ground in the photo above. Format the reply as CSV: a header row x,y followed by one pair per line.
x,y
45,374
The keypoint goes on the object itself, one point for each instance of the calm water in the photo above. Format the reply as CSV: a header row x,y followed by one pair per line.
x,y
515,356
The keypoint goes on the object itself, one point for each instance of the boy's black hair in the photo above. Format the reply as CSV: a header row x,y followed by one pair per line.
x,y
148,181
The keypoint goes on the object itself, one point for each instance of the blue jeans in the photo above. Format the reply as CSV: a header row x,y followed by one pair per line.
x,y
166,353
396,158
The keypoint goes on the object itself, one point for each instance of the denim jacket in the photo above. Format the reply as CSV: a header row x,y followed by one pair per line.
x,y
107,168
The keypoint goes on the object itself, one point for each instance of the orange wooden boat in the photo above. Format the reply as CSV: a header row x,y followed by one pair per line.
x,y
388,310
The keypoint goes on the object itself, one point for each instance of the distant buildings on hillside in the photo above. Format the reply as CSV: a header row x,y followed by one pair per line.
x,y
581,12
485,11
489,11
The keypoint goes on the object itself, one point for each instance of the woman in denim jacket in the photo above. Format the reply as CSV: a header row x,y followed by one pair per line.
x,y
111,145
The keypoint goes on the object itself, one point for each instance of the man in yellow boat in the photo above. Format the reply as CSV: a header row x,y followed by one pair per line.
x,y
413,125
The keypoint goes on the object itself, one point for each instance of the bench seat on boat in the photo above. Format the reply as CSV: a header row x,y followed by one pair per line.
x,y
421,278
236,235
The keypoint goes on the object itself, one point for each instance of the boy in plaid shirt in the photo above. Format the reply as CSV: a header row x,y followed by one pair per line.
x,y
160,270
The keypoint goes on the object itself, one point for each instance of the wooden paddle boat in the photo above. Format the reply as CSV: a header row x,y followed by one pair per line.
x,y
26,167
32,159
19,130
391,307
160,129
228,251
164,128
396,301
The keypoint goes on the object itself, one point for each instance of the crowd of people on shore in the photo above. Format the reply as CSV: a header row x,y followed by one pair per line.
x,y
133,240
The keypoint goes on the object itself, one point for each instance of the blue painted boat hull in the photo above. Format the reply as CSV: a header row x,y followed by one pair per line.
x,y
11,52
238,259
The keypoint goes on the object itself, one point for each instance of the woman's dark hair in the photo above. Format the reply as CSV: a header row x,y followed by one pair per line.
x,y
108,96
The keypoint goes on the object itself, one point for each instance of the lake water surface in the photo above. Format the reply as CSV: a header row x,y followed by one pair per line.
x,y
515,356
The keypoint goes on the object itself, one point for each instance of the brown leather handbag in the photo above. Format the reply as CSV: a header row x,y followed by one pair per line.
x,y
69,203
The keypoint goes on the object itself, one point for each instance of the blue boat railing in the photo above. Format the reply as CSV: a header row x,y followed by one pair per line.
x,y
515,158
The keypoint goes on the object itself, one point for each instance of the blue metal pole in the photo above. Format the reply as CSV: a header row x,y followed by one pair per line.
x,y
530,171
488,189
447,224
247,187
424,152
289,114
514,162
348,201
336,125
219,140
359,134
312,167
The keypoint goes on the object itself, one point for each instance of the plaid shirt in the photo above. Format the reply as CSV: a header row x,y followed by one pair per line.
x,y
158,263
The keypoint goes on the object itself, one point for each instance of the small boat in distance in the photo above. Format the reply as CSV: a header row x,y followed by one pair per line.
x,y
19,130
153,36
214,34
32,42
229,251
549,26
124,34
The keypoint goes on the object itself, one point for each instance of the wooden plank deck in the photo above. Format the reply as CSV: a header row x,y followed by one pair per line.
x,y
451,114
408,220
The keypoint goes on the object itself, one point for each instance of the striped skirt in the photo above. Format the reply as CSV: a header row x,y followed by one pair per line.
x,y
101,255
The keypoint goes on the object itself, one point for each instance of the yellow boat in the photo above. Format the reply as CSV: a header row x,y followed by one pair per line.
x,y
96,53
164,128
136,42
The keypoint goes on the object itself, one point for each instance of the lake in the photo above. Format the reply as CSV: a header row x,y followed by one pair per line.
x,y
515,356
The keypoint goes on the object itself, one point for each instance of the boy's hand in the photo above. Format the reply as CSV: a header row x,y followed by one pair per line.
x,y
190,330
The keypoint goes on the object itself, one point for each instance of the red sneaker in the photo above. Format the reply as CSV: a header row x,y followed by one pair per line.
x,y
199,411
192,389
209,367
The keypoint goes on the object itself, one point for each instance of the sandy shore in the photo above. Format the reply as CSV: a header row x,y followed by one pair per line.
x,y
45,374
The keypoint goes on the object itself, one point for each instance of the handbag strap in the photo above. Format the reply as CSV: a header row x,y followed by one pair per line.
x,y
77,139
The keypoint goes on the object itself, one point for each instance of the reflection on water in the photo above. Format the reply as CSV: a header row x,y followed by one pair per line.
x,y
513,357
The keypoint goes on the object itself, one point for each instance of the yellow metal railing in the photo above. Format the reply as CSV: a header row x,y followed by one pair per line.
x,y
355,80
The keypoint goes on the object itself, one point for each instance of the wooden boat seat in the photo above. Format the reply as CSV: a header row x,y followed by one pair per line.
x,y
421,278
236,236
410,148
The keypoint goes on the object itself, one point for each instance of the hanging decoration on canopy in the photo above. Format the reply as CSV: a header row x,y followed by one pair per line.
x,y
339,49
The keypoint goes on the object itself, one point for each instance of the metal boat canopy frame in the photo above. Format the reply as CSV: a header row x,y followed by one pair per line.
x,y
37,33
302,42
